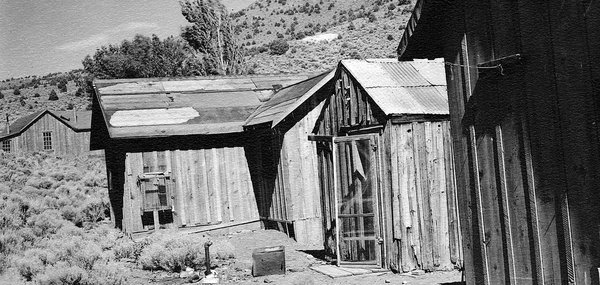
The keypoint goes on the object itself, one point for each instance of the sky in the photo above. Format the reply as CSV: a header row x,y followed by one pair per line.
x,y
39,37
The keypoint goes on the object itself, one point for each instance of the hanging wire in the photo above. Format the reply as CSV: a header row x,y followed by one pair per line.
x,y
498,66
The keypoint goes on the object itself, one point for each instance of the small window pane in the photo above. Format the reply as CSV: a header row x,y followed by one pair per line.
x,y
47,136
6,146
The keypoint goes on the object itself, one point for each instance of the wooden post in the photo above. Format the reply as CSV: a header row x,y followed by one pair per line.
x,y
156,221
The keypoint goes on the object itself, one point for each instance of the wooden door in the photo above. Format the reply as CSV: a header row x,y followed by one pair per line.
x,y
359,239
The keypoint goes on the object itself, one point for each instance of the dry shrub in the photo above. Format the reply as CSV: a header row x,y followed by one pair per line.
x,y
130,249
63,274
46,223
175,252
107,274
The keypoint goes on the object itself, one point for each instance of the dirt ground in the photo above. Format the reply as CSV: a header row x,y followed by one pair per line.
x,y
298,262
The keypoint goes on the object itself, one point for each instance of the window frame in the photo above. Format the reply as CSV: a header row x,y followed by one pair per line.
x,y
6,147
47,140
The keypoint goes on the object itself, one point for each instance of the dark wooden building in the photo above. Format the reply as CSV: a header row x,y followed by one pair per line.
x,y
385,166
524,90
59,132
283,161
175,149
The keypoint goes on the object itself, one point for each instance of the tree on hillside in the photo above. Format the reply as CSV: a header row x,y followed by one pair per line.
x,y
1,95
212,36
145,57
17,91
279,46
53,96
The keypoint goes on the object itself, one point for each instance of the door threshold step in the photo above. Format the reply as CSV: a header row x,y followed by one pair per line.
x,y
336,271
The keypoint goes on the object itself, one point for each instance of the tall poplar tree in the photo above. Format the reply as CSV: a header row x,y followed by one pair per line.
x,y
212,37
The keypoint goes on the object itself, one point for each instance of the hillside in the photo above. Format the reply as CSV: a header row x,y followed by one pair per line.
x,y
25,95
360,29
319,34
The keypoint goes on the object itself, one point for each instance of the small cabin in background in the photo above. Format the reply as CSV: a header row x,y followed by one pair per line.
x,y
175,152
386,169
283,161
524,94
60,132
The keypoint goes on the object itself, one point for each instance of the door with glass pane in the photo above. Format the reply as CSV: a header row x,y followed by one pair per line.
x,y
358,231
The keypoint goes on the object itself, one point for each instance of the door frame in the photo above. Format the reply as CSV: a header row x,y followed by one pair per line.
x,y
381,245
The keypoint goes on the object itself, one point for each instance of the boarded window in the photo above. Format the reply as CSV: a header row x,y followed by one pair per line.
x,y
6,146
156,189
47,138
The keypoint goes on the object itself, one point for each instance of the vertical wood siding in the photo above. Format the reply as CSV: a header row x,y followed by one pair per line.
x,y
288,191
418,186
349,108
423,197
526,140
65,141
211,186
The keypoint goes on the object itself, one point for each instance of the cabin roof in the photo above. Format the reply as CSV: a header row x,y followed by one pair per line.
x,y
83,122
425,30
153,107
402,87
288,99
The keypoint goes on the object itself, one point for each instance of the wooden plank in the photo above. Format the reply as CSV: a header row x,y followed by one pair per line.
x,y
136,200
353,102
409,164
331,271
403,199
222,180
306,159
238,185
195,174
127,201
422,186
434,195
385,195
179,192
229,179
396,207
452,204
216,175
173,194
479,203
156,220
187,187
336,202
443,234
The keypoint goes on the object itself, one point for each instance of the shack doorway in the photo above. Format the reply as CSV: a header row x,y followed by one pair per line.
x,y
357,204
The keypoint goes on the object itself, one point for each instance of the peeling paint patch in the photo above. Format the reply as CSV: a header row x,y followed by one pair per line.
x,y
149,117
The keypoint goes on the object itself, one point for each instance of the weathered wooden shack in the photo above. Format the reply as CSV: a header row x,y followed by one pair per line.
x,y
385,166
59,132
283,161
175,149
524,92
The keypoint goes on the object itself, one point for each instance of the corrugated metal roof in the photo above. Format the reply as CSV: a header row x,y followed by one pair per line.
x,y
184,106
83,122
286,100
410,100
403,87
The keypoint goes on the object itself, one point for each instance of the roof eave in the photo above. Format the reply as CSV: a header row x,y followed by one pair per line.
x,y
422,37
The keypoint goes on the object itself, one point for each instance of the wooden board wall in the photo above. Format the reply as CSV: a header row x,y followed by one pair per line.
x,y
526,139
288,190
349,108
65,141
424,214
211,186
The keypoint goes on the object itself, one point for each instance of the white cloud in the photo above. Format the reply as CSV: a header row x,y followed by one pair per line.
x,y
103,37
